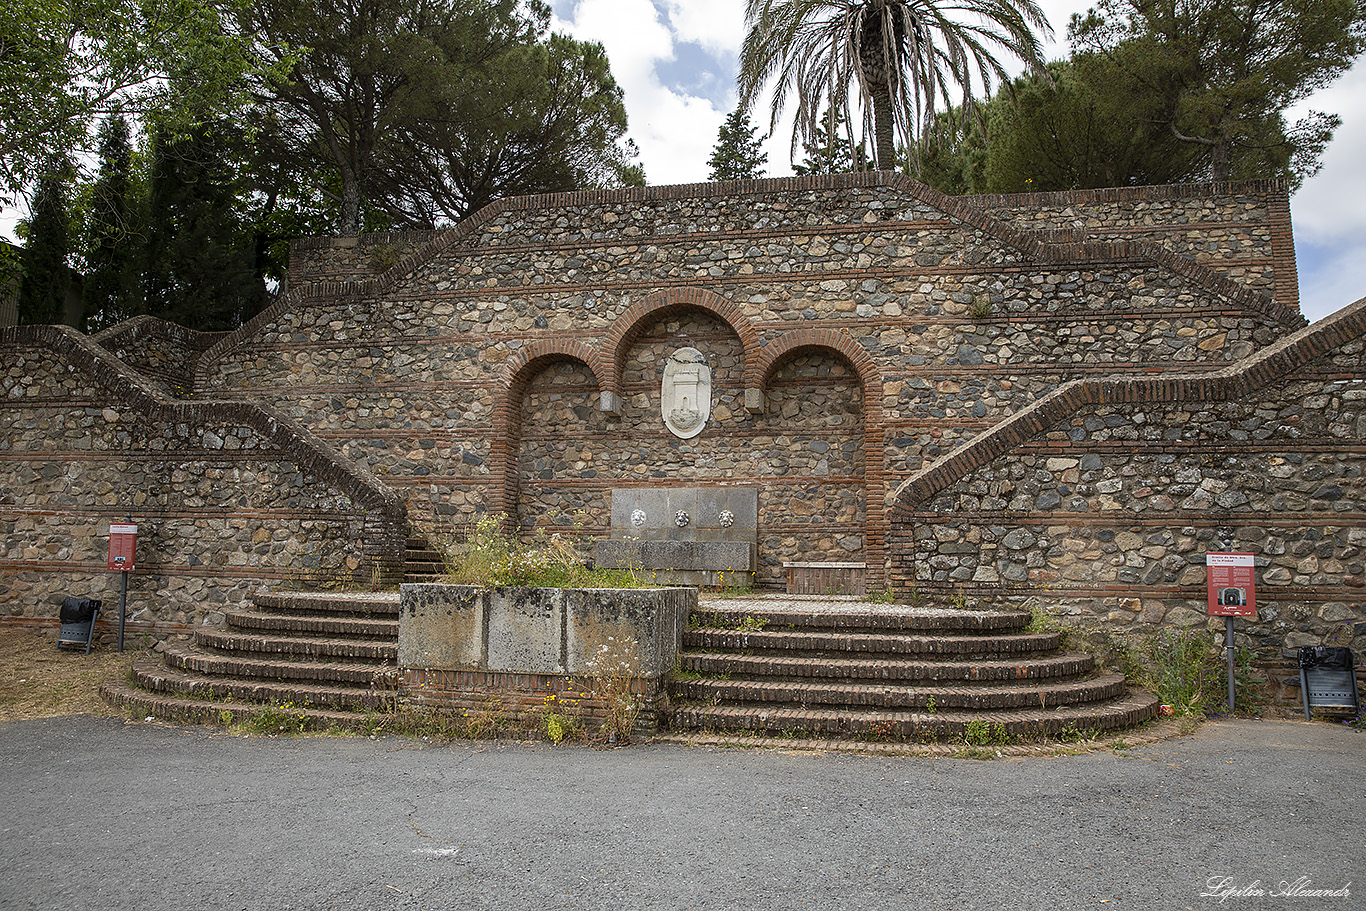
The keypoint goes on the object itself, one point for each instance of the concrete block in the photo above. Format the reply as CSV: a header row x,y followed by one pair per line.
x,y
441,626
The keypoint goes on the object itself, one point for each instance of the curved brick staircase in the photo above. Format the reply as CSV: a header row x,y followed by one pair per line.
x,y
824,666
844,668
330,655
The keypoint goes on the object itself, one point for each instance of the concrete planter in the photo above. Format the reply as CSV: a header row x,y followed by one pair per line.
x,y
537,630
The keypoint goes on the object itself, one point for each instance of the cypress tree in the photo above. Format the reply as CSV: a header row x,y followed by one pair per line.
x,y
200,255
113,281
42,292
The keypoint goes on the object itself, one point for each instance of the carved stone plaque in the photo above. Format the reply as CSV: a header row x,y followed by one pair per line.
x,y
685,399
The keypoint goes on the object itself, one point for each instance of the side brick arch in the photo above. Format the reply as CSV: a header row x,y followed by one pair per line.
x,y
627,328
841,343
506,441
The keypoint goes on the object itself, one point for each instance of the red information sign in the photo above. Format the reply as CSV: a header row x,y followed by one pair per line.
x,y
1231,579
123,543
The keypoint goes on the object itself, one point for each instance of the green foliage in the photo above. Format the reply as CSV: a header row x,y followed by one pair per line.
x,y
43,290
422,112
901,59
737,154
828,150
114,243
558,723
278,718
64,66
199,255
1189,671
490,557
980,732
1220,75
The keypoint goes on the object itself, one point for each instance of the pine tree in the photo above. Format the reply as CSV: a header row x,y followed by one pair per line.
x,y
42,293
737,155
113,278
200,254
829,150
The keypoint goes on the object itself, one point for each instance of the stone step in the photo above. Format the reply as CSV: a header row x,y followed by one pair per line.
x,y
239,643
935,698
1126,711
877,669
203,711
378,604
155,675
846,615
812,643
354,673
297,623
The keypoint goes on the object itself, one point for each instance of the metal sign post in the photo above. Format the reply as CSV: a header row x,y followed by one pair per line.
x,y
123,545
1232,592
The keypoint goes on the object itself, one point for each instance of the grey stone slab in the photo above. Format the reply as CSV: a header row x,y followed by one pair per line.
x,y
525,630
718,556
441,626
646,623
742,502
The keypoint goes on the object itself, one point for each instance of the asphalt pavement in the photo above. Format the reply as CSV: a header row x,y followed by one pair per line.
x,y
102,814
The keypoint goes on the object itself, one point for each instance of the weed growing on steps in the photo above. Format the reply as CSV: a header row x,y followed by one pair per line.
x,y
980,732
613,669
486,555
277,718
886,596
1188,671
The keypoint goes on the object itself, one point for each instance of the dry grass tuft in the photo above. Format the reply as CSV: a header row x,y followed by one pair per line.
x,y
39,680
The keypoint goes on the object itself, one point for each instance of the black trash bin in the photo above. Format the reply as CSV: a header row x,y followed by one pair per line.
x,y
78,622
1328,678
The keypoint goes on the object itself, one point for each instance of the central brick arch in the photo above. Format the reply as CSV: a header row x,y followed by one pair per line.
x,y
841,343
629,325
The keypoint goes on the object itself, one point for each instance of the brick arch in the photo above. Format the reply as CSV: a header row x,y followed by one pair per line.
x,y
628,327
507,410
841,343
790,344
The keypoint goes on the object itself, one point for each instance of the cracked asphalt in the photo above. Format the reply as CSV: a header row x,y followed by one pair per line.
x,y
98,813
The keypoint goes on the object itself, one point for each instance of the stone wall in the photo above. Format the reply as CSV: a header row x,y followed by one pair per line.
x,y
1240,229
345,259
1101,501
860,326
227,497
164,353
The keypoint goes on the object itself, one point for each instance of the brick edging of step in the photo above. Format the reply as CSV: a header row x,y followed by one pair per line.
x,y
1153,732
1134,709
155,676
859,643
201,711
890,695
254,643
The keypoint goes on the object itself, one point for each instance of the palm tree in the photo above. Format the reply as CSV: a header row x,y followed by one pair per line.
x,y
905,57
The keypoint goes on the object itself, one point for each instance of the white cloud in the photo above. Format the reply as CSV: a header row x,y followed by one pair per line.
x,y
717,25
675,130
1338,280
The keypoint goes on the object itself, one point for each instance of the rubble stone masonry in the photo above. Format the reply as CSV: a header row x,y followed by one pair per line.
x,y
863,332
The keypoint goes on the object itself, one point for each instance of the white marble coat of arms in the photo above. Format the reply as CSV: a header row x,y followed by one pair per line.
x,y
685,398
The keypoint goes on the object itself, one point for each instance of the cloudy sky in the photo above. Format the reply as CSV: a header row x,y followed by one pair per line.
x,y
676,61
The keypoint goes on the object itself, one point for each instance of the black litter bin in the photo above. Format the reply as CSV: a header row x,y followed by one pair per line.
x,y
1328,678
78,622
